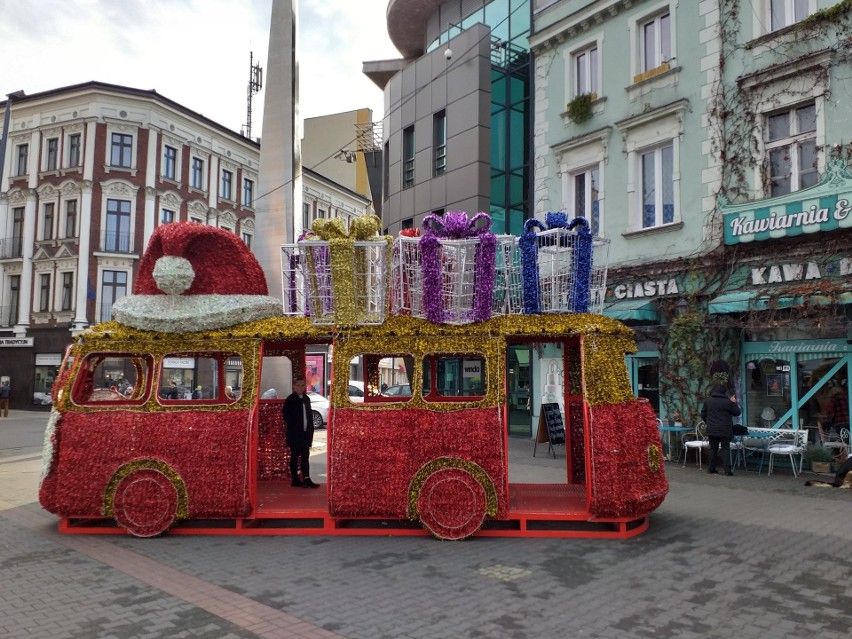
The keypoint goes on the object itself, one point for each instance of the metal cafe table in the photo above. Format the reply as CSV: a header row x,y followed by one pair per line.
x,y
667,437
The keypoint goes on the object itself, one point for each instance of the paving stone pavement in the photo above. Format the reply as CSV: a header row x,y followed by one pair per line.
x,y
746,556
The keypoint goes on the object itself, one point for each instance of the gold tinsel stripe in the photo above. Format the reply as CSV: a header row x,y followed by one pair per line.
x,y
655,457
604,345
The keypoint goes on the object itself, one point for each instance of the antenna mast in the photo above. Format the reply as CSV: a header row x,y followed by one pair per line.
x,y
255,84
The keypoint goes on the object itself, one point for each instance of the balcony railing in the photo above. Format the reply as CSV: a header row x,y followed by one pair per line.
x,y
11,247
112,242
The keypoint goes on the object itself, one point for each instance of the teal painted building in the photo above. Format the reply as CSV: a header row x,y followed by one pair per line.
x,y
709,142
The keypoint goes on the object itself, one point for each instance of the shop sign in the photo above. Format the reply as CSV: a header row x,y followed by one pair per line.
x,y
472,368
179,362
645,288
16,341
797,272
804,347
826,206
48,359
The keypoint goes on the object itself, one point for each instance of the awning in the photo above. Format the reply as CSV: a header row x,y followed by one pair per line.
x,y
743,301
635,309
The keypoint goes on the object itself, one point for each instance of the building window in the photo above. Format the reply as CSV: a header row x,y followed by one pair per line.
x,y
52,154
74,149
197,220
784,13
408,157
656,171
14,298
586,72
439,143
791,149
71,218
47,221
386,171
17,232
167,216
67,290
169,162
320,214
306,216
117,233
44,293
248,192
247,239
121,150
113,288
586,186
197,178
227,181
655,42
23,157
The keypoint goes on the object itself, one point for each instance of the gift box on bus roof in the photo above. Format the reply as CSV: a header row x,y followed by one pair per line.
x,y
447,274
563,266
294,280
341,275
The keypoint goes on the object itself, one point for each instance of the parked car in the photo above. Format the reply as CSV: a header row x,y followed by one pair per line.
x,y
356,392
319,409
398,390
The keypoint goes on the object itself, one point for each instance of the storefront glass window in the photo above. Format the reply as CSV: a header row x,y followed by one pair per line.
x,y
46,370
767,389
826,383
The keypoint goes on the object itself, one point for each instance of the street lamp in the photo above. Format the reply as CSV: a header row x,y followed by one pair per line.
x,y
7,114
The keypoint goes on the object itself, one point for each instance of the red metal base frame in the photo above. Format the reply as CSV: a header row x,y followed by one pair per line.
x,y
535,510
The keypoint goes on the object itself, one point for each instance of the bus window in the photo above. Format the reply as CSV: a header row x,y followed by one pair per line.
x,y
113,378
455,376
198,377
388,377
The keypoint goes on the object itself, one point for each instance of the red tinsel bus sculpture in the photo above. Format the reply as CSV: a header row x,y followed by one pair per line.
x,y
149,433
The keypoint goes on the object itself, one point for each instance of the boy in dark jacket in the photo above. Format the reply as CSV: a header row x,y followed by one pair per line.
x,y
718,413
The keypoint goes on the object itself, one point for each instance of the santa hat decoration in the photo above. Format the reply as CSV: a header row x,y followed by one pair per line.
x,y
196,277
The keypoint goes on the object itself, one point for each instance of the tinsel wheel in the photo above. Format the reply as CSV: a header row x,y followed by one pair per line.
x,y
145,503
452,504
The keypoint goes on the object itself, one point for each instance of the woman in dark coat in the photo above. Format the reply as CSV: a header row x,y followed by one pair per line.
x,y
300,433
718,413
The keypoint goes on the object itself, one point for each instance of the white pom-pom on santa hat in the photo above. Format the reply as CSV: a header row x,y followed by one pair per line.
x,y
173,274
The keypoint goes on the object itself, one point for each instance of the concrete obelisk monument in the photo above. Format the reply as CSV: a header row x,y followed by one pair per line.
x,y
279,200
279,203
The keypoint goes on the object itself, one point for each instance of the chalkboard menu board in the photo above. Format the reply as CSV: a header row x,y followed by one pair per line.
x,y
553,420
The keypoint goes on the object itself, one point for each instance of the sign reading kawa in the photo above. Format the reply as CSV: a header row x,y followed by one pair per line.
x,y
826,206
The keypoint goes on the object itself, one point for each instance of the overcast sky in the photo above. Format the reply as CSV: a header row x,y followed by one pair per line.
x,y
195,52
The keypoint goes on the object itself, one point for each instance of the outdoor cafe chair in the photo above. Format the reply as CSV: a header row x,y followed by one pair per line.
x,y
738,448
696,441
757,442
789,445
838,444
